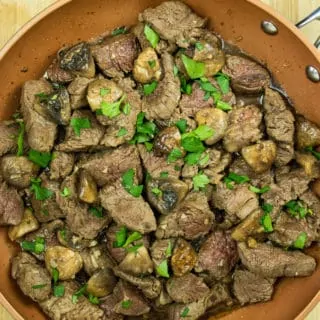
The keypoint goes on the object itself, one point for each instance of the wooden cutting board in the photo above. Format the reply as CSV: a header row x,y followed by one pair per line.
x,y
14,13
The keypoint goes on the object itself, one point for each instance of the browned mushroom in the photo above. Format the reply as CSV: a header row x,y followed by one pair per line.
x,y
87,191
101,283
167,140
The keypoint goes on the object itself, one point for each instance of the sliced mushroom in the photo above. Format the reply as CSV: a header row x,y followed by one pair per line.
x,y
147,67
78,60
28,224
167,140
260,156
101,283
165,194
18,171
137,263
215,119
309,163
308,134
102,91
66,261
88,191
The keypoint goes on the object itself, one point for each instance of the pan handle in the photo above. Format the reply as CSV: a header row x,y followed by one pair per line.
x,y
315,15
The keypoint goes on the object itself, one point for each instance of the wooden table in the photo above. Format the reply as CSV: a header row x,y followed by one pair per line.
x,y
14,13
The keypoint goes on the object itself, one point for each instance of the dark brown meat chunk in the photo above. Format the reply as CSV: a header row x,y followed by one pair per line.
x,y
159,250
126,209
246,75
61,165
89,137
78,92
11,206
243,130
217,255
41,132
115,55
162,103
107,167
29,274
8,138
174,21
192,219
55,74
78,216
107,305
283,263
62,308
249,287
186,289
18,171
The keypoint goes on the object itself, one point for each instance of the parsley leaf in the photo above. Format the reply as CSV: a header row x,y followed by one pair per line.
x,y
20,138
79,293
203,132
199,46
42,159
36,246
128,183
121,237
96,211
174,155
175,70
80,123
223,82
192,158
233,177
162,269
192,144
126,304
152,63
55,275
145,130
120,30
168,251
126,109
58,290
182,125
151,36
134,236
134,249
149,146
297,208
112,109
195,69
66,192
314,153
185,86
39,286
200,181
164,174
122,132
266,222
224,106
40,192
104,91
300,241
259,190
157,192
93,299
207,86
150,87
184,312
267,207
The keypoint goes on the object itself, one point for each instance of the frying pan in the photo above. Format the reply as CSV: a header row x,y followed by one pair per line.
x,y
283,50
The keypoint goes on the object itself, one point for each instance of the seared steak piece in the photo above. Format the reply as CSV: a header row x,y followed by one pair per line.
x,y
162,103
107,167
174,21
238,203
41,132
61,165
29,274
11,206
249,287
191,219
54,73
88,137
8,138
115,55
287,229
126,209
244,128
62,308
79,217
246,75
78,92
273,262
187,288
217,255
18,171
107,305
159,250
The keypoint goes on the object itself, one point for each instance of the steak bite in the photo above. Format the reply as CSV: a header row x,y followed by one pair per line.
x,y
78,92
61,165
8,137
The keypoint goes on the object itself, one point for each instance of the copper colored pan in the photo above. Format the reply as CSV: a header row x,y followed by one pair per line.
x,y
286,54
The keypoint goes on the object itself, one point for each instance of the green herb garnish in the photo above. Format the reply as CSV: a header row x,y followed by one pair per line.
x,y
297,209
36,246
122,132
42,159
96,211
195,69
40,192
145,130
79,293
259,190
175,70
199,46
300,242
134,249
150,87
66,192
200,181
112,109
151,36
39,286
223,82
126,109
235,178
157,192
152,63
128,183
266,222
58,290
174,155
164,174
120,30
182,125
314,153
80,123
126,304
192,144
20,138
224,106
104,91
121,237
93,299
184,312
168,251
134,236
162,269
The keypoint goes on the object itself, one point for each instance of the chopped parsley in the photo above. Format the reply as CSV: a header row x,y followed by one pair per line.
x,y
192,158
104,91
224,106
79,293
122,132
174,155
149,146
223,82
162,269
126,304
184,312
93,299
164,174
134,249
120,30
314,153
168,251
200,181
20,138
175,70
192,144
58,290
42,159
152,63
266,222
36,246
40,192
300,242
157,192
121,237
297,209
112,109
199,46
134,236
66,192
126,109
259,190
195,69
150,87
232,178
80,123
203,132
96,211
145,130
39,286
128,183
151,36
185,86
182,125
55,275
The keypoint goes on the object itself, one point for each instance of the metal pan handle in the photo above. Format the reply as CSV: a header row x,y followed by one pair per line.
x,y
315,15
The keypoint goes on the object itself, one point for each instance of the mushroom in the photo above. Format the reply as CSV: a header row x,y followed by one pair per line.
x,y
66,261
165,194
307,133
18,171
309,163
260,156
102,91
101,283
137,263
87,191
167,140
146,66
28,224
78,60
215,119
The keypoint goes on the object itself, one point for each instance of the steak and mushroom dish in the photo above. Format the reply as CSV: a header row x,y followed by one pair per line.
x,y
154,173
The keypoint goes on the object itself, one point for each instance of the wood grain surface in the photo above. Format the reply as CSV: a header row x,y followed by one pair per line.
x,y
14,13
